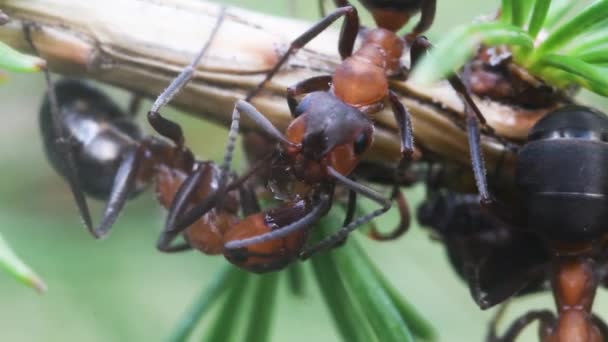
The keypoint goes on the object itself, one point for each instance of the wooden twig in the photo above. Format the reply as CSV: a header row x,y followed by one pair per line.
x,y
140,45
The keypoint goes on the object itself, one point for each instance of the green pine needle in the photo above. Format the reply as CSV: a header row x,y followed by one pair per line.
x,y
13,60
221,282
348,318
573,29
262,308
460,44
585,74
568,52
541,10
18,269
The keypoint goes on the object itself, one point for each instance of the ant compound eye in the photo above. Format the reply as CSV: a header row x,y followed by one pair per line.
x,y
361,143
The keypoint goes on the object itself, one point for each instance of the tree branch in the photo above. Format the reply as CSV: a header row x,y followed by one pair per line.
x,y
140,45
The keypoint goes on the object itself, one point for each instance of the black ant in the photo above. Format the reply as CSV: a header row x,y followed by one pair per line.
x,y
101,152
496,261
561,201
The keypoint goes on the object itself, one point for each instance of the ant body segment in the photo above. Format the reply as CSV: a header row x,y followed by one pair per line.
x,y
394,14
562,198
331,128
100,151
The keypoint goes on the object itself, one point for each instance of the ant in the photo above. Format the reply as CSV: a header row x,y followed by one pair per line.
x,y
561,200
362,79
396,13
100,151
331,129
496,261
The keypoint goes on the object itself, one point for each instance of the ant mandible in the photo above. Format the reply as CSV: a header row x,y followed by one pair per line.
x,y
562,192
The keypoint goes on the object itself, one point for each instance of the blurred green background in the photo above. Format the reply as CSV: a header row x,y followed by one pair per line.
x,y
122,289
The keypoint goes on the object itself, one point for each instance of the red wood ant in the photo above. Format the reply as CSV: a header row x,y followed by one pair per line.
x,y
394,14
562,192
331,131
101,152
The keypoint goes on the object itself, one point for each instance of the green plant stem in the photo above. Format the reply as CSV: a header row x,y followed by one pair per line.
x,y
506,11
541,9
224,326
420,326
262,309
589,17
296,280
221,282
349,319
364,287
17,268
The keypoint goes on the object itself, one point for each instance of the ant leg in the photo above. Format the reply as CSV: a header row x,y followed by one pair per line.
x,y
600,324
216,198
166,127
249,200
351,207
545,317
250,111
121,188
350,28
178,206
404,219
473,114
404,121
427,16
317,83
64,142
302,223
134,104
342,233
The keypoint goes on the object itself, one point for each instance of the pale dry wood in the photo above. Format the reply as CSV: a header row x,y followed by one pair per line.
x,y
140,45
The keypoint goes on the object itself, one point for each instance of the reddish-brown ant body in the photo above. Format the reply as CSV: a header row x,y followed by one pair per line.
x,y
331,131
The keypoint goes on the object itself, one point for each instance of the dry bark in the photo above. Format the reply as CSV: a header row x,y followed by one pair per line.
x,y
140,45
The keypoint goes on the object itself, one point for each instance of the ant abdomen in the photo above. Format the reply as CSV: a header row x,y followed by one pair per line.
x,y
99,133
561,174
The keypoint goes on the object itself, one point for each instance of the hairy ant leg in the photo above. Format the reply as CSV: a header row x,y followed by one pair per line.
x,y
404,219
427,17
64,143
166,127
600,324
338,236
182,199
404,122
318,83
473,118
545,318
345,45
319,209
263,123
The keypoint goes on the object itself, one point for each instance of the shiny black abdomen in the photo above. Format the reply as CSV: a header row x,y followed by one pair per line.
x,y
562,175
99,132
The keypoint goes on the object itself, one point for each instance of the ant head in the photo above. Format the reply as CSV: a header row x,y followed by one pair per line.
x,y
327,133
392,14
